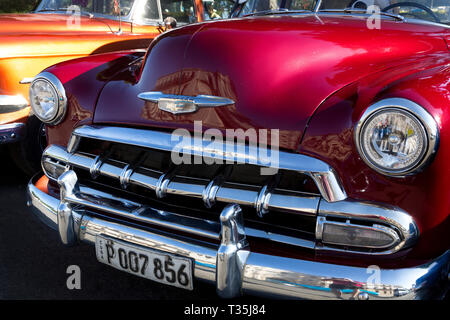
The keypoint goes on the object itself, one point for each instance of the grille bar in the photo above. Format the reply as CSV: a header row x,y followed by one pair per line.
x,y
169,183
104,202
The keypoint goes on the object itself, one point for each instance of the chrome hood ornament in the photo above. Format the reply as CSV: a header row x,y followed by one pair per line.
x,y
177,104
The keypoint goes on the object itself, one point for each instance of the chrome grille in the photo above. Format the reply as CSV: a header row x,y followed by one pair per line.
x,y
169,183
282,208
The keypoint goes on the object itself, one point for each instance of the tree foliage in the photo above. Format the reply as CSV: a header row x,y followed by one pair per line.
x,y
17,5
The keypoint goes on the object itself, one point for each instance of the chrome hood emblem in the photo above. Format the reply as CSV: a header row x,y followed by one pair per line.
x,y
177,104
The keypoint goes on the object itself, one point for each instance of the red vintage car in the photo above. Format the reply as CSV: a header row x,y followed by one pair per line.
x,y
300,150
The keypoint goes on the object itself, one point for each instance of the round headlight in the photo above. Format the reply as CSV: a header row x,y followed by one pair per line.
x,y
48,98
396,136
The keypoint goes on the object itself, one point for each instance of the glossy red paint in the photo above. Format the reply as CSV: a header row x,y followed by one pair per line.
x,y
330,136
277,70
66,72
312,79
83,79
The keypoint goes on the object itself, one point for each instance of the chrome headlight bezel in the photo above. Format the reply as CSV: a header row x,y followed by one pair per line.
x,y
412,109
56,84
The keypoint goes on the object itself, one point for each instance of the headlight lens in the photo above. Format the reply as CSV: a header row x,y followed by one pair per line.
x,y
44,100
47,98
396,138
393,140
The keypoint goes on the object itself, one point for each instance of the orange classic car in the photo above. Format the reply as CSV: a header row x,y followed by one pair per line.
x,y
59,30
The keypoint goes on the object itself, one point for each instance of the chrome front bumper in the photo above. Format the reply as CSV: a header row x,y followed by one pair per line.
x,y
234,269
11,132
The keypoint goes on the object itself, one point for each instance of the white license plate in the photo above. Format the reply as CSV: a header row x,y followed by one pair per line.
x,y
154,265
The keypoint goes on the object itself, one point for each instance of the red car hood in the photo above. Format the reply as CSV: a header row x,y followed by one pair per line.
x,y
277,69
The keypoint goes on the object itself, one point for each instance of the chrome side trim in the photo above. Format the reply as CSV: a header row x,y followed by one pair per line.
x,y
425,118
12,132
323,175
263,274
177,104
232,253
26,80
10,103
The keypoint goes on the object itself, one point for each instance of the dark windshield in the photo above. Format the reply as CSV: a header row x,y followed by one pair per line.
x,y
102,7
429,10
253,6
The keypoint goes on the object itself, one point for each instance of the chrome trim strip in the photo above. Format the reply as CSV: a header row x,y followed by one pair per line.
x,y
323,175
10,103
304,205
263,274
178,104
425,118
26,81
